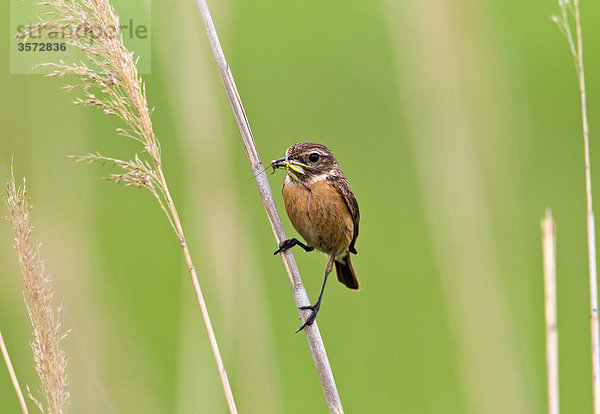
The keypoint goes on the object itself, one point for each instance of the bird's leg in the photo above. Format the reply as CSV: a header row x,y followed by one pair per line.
x,y
315,308
289,243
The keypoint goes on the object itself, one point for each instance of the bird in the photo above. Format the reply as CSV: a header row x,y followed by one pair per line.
x,y
323,209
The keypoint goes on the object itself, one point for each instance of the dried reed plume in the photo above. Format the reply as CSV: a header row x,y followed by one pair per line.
x,y
111,82
570,8
51,362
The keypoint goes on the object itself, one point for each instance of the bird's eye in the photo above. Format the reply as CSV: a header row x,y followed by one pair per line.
x,y
314,157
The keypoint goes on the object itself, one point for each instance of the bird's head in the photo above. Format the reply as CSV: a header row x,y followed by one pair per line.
x,y
307,162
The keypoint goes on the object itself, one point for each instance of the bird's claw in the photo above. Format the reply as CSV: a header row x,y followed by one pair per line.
x,y
289,243
312,317
284,245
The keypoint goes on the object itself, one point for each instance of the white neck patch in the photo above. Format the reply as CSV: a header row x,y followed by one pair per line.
x,y
319,177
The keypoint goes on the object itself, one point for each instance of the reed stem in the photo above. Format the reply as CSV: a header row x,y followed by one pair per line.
x,y
571,7
549,253
313,335
13,376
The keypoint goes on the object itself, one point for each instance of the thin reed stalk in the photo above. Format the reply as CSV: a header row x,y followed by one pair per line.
x,y
571,8
13,376
51,361
549,254
313,335
110,81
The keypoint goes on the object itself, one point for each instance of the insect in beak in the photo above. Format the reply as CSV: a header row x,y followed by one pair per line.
x,y
291,166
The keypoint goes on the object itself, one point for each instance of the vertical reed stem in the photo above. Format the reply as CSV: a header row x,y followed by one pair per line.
x,y
594,329
312,331
576,48
199,297
549,253
13,376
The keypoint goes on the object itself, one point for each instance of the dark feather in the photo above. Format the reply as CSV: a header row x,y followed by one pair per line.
x,y
345,272
344,188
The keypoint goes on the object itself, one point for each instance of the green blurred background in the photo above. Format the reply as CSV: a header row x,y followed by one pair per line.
x,y
456,122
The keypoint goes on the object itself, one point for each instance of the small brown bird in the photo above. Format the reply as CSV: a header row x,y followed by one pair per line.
x,y
322,208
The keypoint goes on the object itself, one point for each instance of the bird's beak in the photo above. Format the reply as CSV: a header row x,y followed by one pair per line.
x,y
278,163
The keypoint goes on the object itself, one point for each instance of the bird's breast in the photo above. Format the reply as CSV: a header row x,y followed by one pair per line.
x,y
328,226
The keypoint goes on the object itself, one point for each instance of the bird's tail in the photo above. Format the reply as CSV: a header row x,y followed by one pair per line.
x,y
345,272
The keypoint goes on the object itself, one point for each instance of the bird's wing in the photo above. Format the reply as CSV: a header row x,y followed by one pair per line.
x,y
350,200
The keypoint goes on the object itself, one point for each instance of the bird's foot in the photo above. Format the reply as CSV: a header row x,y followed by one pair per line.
x,y
313,315
289,243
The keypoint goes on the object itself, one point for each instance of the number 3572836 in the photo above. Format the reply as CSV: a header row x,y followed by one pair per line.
x,y
41,47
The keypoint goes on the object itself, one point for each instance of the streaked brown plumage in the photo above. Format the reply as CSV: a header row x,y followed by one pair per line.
x,y
322,208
